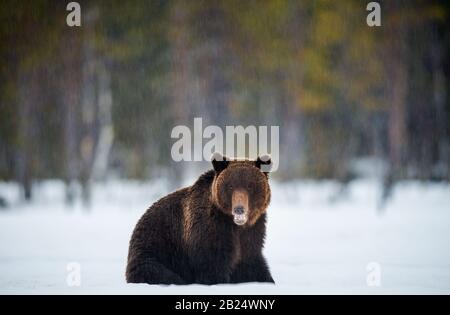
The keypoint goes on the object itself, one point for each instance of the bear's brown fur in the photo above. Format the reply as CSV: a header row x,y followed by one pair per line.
x,y
211,232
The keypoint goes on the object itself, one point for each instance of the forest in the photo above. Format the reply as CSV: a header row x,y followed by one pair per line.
x,y
99,101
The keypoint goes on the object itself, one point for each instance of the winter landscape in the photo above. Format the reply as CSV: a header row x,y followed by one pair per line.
x,y
319,240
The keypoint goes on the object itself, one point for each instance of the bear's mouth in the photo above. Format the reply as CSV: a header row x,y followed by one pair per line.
x,y
239,202
239,215
239,219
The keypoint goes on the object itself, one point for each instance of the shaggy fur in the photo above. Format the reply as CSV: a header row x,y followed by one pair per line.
x,y
189,236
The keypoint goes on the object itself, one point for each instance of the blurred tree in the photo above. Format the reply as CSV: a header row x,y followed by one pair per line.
x,y
80,104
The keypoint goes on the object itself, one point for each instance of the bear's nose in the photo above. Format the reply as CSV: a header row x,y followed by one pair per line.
x,y
239,210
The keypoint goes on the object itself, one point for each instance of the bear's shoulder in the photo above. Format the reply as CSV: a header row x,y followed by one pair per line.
x,y
198,195
170,202
205,179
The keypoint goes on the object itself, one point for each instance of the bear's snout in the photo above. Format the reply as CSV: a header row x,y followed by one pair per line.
x,y
239,206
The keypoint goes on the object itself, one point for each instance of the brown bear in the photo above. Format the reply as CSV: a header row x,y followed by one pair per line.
x,y
211,232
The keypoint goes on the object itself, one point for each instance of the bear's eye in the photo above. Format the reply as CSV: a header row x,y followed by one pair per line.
x,y
230,187
249,187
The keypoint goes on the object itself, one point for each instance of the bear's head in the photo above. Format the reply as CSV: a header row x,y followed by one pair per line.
x,y
241,188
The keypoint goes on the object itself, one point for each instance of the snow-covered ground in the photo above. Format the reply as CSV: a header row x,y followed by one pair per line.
x,y
320,240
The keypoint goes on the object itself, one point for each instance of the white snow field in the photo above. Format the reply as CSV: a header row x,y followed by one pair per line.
x,y
319,240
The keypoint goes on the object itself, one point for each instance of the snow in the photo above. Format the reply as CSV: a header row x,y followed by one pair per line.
x,y
321,239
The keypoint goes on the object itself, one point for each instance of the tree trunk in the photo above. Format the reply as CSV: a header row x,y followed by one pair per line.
x,y
439,99
181,90
397,89
105,123
70,89
28,96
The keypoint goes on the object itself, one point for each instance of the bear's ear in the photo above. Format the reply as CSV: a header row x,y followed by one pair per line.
x,y
219,162
264,163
